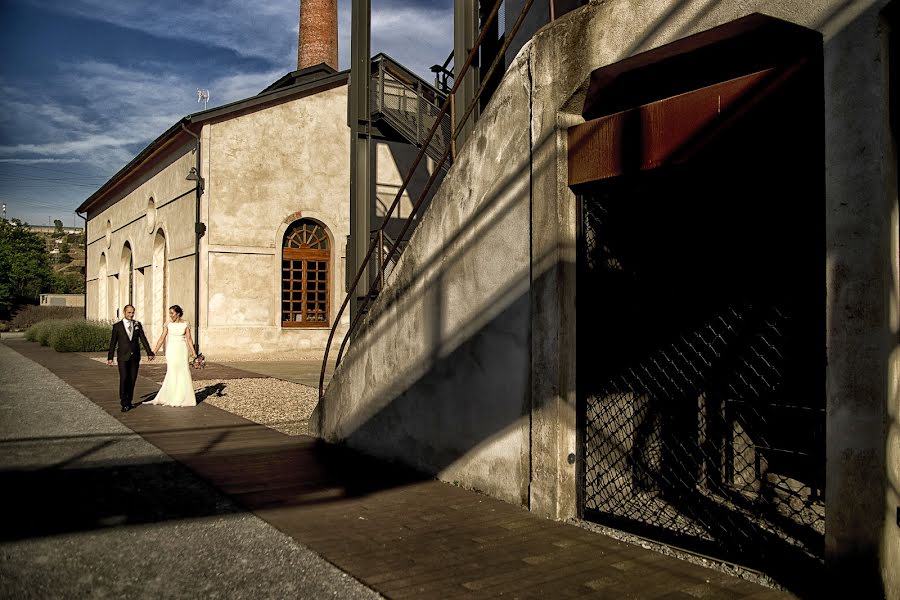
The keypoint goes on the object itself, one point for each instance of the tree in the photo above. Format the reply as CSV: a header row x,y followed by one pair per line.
x,y
68,283
24,265
59,226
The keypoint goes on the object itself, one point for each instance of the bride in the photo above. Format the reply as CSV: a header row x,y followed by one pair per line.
x,y
178,386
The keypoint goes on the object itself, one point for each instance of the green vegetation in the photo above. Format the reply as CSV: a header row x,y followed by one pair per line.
x,y
41,332
67,282
70,335
31,314
81,336
26,269
24,265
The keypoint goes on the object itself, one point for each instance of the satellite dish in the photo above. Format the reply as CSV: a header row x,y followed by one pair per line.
x,y
203,96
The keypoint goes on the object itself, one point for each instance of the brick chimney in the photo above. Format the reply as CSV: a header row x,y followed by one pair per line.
x,y
318,41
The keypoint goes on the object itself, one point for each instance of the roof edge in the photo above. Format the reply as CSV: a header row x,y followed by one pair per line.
x,y
115,182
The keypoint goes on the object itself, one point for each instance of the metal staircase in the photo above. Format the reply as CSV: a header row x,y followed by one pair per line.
x,y
425,117
409,106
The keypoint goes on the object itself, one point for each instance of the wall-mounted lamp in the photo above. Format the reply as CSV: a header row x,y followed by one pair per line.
x,y
193,175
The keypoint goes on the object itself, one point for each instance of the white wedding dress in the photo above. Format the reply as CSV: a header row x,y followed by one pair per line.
x,y
178,386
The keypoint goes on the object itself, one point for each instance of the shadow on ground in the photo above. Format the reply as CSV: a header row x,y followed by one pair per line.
x,y
64,499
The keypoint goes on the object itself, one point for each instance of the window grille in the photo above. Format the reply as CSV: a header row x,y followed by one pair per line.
x,y
305,276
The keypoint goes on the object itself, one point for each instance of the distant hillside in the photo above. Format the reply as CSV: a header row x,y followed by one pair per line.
x,y
64,245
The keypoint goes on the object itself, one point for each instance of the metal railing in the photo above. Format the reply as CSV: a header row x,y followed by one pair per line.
x,y
409,105
443,75
384,243
447,108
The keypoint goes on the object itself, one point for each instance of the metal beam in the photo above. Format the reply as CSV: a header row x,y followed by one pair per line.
x,y
360,151
465,32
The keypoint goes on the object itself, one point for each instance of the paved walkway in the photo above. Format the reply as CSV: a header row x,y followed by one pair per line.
x,y
402,534
92,510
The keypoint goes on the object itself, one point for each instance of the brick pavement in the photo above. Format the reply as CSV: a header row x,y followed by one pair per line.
x,y
401,533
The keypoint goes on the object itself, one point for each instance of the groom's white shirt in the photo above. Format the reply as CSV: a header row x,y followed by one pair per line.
x,y
128,330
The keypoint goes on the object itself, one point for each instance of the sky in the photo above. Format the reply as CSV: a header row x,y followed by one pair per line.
x,y
86,84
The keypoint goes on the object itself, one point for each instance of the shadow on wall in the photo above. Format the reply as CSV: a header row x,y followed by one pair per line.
x,y
468,384
403,156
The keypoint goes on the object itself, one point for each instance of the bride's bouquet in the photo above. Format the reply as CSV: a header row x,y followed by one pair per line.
x,y
199,361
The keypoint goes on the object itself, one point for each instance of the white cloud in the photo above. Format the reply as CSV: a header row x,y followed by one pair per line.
x,y
241,85
418,34
266,29
36,161
105,113
79,146
98,114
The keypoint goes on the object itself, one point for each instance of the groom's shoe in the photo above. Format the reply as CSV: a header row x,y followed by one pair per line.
x,y
126,407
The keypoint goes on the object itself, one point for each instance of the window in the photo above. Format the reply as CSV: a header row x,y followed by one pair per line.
x,y
130,279
305,277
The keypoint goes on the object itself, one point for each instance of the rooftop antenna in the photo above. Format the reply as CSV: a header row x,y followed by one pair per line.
x,y
203,96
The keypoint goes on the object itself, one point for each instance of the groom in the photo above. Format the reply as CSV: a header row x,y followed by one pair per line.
x,y
128,335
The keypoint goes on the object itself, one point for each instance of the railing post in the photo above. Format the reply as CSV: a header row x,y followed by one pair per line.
x,y
381,258
452,126
380,86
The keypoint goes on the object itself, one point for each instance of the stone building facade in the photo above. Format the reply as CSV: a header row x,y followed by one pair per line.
x,y
252,245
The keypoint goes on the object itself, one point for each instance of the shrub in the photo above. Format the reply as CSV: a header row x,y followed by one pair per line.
x,y
80,336
4,326
70,335
41,331
31,314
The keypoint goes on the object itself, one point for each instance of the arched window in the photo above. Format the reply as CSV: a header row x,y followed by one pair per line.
x,y
128,275
305,275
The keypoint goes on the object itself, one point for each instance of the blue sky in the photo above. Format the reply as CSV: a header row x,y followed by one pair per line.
x,y
86,84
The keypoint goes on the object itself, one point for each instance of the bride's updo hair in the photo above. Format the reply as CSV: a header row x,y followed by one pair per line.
x,y
177,310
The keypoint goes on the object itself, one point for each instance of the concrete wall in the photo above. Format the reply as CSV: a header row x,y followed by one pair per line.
x,y
62,299
860,212
439,374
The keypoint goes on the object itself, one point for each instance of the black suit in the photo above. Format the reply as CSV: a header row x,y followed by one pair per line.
x,y
129,357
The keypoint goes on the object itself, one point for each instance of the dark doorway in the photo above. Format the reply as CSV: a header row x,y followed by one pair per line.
x,y
701,320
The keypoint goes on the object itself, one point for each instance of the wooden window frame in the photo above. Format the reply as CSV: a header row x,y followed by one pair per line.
x,y
289,284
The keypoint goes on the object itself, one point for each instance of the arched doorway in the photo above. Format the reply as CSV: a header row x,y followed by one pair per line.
x,y
160,283
126,276
102,290
305,275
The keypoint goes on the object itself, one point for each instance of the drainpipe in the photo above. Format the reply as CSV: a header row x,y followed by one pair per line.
x,y
84,235
199,230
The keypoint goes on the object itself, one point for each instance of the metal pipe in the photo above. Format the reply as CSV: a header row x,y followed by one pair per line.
x,y
84,236
198,232
381,257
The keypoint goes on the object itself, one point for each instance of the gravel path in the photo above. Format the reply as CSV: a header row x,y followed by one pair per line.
x,y
94,511
280,405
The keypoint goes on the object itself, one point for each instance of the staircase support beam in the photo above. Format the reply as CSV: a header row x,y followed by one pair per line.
x,y
361,156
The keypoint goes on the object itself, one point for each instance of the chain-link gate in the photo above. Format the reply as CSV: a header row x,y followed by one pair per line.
x,y
701,410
